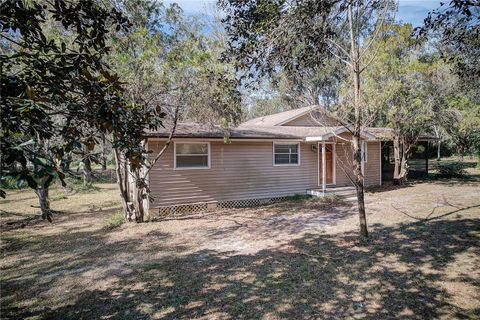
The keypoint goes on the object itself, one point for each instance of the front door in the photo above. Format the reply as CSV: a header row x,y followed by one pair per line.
x,y
328,161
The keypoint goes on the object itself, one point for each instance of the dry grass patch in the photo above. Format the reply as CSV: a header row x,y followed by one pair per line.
x,y
299,259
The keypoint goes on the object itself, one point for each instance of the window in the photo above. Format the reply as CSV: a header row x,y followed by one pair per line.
x,y
192,155
286,154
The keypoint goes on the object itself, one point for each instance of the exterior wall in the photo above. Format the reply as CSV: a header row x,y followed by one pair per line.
x,y
344,162
244,170
373,164
307,121
239,170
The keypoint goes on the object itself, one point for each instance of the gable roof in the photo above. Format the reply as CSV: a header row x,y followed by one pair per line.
x,y
279,118
195,130
271,127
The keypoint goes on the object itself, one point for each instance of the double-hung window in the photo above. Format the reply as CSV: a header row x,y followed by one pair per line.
x,y
285,154
192,155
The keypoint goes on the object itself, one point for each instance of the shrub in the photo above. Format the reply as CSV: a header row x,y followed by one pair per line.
x,y
115,221
450,170
298,197
12,183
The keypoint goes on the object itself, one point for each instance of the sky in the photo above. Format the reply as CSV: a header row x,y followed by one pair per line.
x,y
409,11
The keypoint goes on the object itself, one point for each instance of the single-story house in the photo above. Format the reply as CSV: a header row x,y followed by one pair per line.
x,y
301,151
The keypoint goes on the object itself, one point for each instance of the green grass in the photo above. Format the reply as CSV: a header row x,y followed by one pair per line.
x,y
298,197
115,221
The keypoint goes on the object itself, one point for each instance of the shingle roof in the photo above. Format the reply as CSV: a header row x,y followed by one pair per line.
x,y
195,130
277,118
269,127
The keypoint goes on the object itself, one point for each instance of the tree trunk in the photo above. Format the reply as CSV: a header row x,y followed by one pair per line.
x,y
122,182
438,150
44,202
439,141
397,154
140,210
103,155
403,165
357,153
87,171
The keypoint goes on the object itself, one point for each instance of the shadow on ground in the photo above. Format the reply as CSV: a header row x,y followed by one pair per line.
x,y
395,274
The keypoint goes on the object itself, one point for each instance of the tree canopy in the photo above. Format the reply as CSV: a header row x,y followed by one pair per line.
x,y
56,86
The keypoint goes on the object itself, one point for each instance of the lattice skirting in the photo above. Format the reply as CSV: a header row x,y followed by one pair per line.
x,y
211,206
247,203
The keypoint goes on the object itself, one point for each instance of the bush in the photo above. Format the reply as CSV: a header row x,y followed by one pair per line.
x,y
451,170
12,183
298,197
115,221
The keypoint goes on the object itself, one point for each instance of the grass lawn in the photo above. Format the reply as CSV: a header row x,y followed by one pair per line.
x,y
300,260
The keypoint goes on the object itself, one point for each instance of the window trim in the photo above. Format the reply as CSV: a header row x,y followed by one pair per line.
x,y
209,155
286,164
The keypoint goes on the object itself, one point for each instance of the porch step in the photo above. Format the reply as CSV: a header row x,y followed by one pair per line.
x,y
346,193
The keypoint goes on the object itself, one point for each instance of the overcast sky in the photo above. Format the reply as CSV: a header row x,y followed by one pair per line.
x,y
411,11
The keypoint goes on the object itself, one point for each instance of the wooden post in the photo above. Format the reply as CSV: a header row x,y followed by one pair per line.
x,y
324,168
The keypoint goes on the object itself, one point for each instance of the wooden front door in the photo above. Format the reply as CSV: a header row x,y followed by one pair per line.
x,y
329,163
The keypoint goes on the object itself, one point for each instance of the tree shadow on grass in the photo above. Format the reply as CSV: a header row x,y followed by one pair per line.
x,y
396,274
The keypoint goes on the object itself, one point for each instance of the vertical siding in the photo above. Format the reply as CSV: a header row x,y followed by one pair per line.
x,y
240,170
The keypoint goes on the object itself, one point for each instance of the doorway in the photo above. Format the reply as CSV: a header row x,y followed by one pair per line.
x,y
329,164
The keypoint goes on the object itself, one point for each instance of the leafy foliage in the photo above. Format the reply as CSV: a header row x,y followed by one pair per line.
x,y
457,24
451,170
57,90
115,221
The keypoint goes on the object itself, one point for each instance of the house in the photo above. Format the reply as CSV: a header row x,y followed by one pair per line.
x,y
301,151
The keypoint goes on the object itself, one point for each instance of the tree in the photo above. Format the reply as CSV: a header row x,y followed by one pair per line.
x,y
466,130
286,91
395,88
167,66
457,26
295,35
51,88
54,88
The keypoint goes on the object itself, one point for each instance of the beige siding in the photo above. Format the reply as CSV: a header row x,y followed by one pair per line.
x,y
307,121
344,163
245,170
372,166
240,170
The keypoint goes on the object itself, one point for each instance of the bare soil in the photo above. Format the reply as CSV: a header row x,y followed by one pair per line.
x,y
299,260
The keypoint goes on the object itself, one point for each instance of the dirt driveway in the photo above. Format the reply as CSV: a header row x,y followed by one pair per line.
x,y
299,260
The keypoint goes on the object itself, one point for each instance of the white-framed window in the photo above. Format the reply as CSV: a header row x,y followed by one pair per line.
x,y
192,155
286,154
